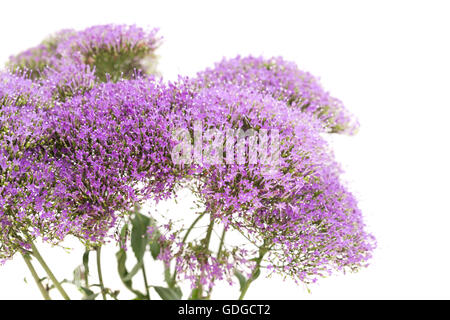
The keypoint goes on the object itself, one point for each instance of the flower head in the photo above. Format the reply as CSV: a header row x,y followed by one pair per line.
x,y
298,210
284,81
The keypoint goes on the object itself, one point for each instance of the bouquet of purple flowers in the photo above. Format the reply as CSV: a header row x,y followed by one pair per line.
x,y
90,134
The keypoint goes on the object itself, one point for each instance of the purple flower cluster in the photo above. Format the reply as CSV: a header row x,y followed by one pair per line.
x,y
115,51
112,38
41,187
115,145
25,174
35,60
300,213
70,62
91,137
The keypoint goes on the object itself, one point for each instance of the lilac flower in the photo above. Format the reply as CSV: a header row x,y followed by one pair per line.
x,y
20,89
197,264
106,51
302,214
75,167
68,79
25,174
113,146
85,135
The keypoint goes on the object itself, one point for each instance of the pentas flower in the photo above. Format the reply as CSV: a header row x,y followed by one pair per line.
x,y
298,212
284,81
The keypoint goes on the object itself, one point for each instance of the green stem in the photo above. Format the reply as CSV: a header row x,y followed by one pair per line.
x,y
262,251
50,274
192,226
147,291
99,271
222,240
86,266
219,254
206,246
36,277
209,233
174,277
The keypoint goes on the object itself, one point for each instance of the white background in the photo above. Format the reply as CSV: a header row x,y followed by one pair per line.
x,y
387,60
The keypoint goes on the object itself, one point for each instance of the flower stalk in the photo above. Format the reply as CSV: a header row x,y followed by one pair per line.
x,y
36,278
99,271
47,270
255,273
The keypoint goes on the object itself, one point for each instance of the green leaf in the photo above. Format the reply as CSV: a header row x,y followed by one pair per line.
x,y
168,277
123,236
86,291
139,236
133,271
155,246
114,294
178,292
121,256
256,274
242,279
86,262
77,276
168,293
155,249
